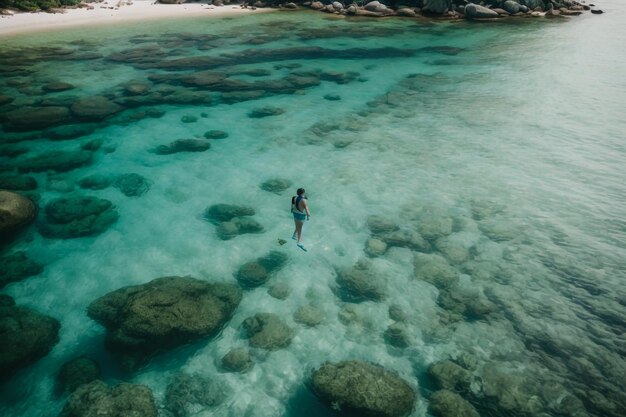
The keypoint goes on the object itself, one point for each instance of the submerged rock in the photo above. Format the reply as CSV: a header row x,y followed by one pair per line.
x,y
237,360
238,226
95,108
361,282
309,316
77,372
397,313
279,291
16,267
435,270
258,272
57,87
123,400
381,225
183,145
375,247
27,336
163,313
77,216
267,331
132,185
218,213
59,161
95,182
445,403
406,238
187,393
471,304
396,336
35,118
70,131
215,134
276,185
450,376
265,112
189,119
16,212
363,388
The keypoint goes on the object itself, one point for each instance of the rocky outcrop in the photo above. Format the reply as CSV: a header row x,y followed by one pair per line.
x,y
77,372
26,336
258,272
265,112
16,267
123,400
215,134
77,216
164,313
232,220
363,388
267,331
226,212
16,212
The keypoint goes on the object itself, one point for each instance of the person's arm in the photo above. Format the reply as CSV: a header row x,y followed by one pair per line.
x,y
306,208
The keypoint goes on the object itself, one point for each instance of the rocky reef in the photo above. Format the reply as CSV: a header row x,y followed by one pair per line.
x,y
164,313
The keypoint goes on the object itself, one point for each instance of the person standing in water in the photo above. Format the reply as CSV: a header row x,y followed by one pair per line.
x,y
300,210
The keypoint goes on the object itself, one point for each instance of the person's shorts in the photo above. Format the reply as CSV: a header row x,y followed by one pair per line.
x,y
299,217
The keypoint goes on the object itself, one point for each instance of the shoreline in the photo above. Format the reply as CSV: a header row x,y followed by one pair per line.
x,y
108,13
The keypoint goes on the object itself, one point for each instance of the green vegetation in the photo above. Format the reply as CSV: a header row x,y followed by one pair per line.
x,y
37,4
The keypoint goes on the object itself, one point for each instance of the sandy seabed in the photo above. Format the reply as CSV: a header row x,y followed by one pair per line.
x,y
111,12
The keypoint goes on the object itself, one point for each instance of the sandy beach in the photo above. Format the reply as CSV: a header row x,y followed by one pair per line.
x,y
112,12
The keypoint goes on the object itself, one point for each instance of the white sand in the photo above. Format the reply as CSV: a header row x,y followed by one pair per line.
x,y
112,11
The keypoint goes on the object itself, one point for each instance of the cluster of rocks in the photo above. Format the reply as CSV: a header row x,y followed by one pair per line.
x,y
232,220
451,9
131,185
16,267
258,272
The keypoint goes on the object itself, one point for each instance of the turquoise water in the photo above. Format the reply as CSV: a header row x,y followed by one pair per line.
x,y
507,147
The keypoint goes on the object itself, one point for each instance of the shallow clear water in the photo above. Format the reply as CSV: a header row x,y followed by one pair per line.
x,y
516,140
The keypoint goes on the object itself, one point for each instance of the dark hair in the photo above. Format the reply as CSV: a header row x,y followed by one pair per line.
x,y
300,191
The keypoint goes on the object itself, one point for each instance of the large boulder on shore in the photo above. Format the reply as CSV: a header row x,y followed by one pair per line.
x,y
16,212
475,11
163,313
123,400
511,6
437,6
362,388
26,336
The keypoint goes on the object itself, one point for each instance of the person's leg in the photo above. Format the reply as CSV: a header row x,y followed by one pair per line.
x,y
299,230
295,230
